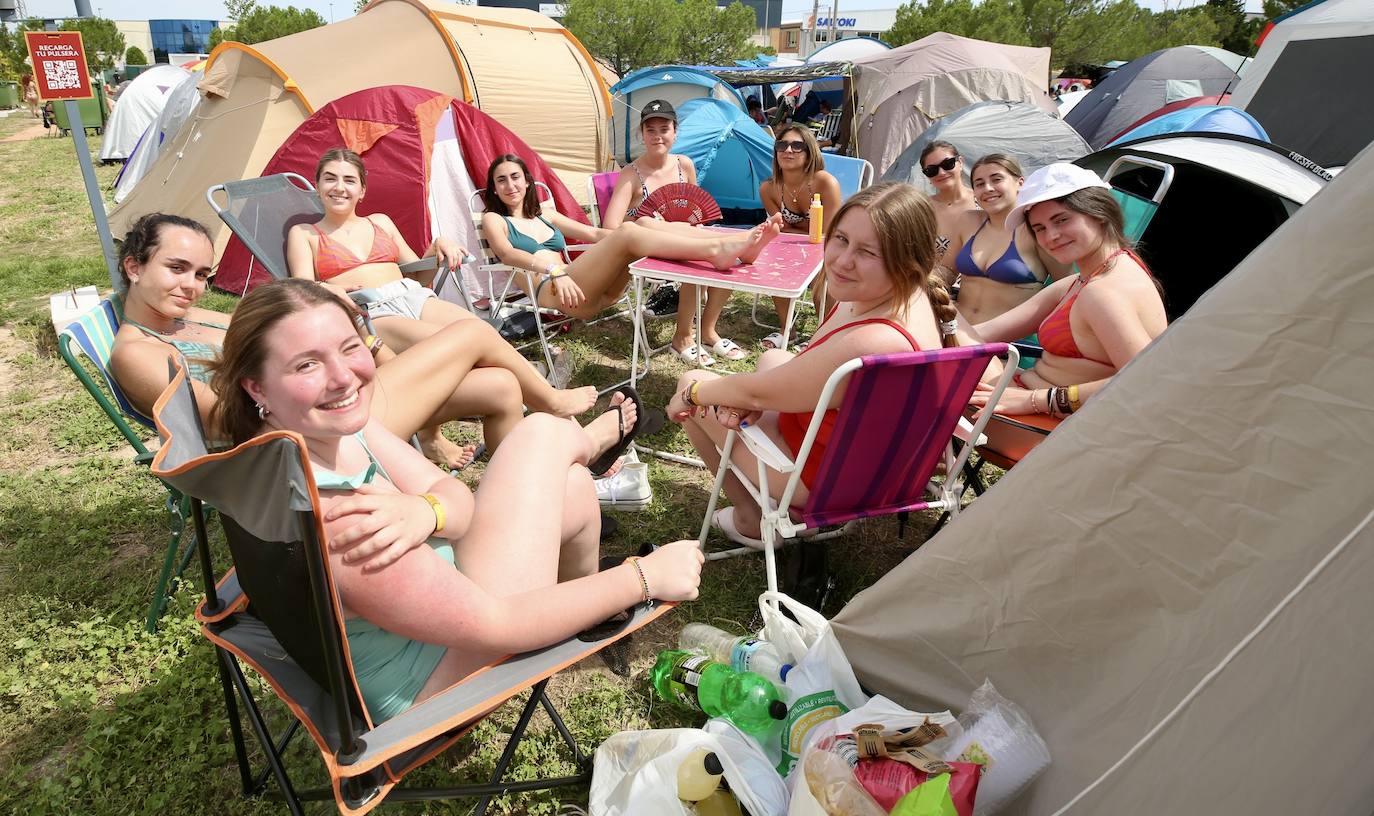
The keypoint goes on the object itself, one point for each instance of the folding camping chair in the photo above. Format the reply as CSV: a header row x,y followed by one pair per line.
x,y
261,211
899,420
278,611
93,335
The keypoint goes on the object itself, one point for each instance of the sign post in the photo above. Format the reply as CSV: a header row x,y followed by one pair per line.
x,y
59,70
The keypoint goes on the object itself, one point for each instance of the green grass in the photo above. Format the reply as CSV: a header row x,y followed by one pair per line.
x,y
99,717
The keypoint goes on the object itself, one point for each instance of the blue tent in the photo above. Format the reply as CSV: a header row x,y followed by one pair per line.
x,y
732,154
1200,119
675,83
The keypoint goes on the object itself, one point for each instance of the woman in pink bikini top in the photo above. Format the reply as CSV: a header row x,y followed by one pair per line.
x,y
880,250
1090,324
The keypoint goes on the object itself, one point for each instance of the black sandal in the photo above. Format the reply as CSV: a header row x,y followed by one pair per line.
x,y
604,461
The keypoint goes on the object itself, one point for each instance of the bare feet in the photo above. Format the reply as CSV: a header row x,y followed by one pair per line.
x,y
746,250
444,452
605,430
567,402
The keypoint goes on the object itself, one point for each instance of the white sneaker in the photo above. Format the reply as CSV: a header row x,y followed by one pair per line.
x,y
629,486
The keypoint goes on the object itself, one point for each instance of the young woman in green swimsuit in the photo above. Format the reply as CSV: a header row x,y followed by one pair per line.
x,y
434,582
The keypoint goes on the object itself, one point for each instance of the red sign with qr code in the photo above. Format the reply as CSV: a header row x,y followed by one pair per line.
x,y
59,64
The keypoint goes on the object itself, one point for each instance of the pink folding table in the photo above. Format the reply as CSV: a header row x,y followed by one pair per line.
x,y
785,268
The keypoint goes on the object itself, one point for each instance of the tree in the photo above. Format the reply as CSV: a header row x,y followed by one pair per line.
x,y
710,35
104,44
1233,31
135,56
260,24
238,9
624,34
992,20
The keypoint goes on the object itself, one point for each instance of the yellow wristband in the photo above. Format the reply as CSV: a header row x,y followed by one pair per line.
x,y
692,393
439,516
1074,402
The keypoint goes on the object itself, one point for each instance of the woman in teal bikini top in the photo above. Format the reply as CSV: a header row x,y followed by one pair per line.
x,y
434,582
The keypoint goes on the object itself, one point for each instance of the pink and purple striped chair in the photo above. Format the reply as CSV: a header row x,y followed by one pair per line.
x,y
898,421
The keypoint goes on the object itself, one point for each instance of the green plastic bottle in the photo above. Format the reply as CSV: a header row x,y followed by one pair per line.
x,y
698,683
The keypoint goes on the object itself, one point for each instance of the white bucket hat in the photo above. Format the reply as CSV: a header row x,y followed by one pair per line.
x,y
1048,183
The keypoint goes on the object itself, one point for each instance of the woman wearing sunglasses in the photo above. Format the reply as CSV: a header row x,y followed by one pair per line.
x,y
944,167
798,175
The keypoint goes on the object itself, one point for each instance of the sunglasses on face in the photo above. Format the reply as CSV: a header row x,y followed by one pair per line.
x,y
789,146
933,170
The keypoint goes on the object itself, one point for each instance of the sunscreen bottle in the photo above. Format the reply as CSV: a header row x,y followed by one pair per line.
x,y
817,216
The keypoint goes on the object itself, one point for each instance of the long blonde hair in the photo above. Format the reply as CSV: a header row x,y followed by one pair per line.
x,y
907,231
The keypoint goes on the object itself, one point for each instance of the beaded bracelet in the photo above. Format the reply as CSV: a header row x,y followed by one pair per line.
x,y
643,582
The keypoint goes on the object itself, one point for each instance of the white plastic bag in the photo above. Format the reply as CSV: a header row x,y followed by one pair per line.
x,y
881,711
767,788
821,684
998,733
635,773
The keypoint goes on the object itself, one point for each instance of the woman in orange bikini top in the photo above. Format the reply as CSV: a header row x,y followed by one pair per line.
x,y
880,250
1090,324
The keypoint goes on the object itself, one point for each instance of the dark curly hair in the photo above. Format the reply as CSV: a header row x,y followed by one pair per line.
x,y
143,238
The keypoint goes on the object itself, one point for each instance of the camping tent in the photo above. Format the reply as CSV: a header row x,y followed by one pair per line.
x,y
1147,84
844,50
1027,133
901,92
1070,99
1305,86
1191,102
181,102
732,154
137,107
1229,194
256,95
1199,119
1172,584
425,153
673,83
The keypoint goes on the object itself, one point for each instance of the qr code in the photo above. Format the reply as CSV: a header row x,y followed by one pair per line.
x,y
61,74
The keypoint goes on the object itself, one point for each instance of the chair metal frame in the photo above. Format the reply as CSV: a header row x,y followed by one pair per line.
x,y
76,341
778,525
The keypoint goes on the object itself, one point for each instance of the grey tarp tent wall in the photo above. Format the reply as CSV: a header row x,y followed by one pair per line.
x,y
1149,83
1025,132
1309,84
1175,584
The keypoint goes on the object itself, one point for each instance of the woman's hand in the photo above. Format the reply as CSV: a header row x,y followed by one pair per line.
x,y
449,252
569,294
734,418
388,525
673,571
1014,401
677,409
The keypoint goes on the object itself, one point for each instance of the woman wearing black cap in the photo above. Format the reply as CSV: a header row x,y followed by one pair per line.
x,y
655,167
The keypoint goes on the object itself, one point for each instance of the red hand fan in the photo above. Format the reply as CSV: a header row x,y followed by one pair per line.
x,y
680,202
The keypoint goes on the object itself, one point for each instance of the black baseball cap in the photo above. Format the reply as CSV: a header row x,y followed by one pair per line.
x,y
657,109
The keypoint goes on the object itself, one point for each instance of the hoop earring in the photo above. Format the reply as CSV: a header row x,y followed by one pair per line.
x,y
262,410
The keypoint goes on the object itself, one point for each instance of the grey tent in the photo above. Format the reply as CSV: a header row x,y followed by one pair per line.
x,y
1174,585
1228,194
1032,136
1305,85
1149,83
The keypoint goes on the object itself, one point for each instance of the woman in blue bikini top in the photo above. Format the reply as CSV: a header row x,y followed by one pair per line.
x,y
434,582
999,269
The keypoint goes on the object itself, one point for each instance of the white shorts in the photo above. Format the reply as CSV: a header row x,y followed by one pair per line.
x,y
400,298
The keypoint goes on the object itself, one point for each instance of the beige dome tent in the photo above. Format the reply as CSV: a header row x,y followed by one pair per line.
x,y
899,93
1175,584
551,94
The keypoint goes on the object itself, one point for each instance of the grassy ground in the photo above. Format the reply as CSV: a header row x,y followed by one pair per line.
x,y
96,715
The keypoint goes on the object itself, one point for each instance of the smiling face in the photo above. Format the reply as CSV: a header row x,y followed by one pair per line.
x,y
659,135
340,186
509,181
995,187
1064,233
855,270
316,376
176,272
944,178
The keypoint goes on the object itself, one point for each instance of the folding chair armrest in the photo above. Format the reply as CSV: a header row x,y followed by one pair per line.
x,y
964,432
1028,349
422,265
145,458
765,449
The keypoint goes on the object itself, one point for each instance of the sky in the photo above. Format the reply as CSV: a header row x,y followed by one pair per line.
x,y
214,9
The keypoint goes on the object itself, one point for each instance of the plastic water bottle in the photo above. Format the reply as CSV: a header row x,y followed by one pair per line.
x,y
699,776
698,683
741,653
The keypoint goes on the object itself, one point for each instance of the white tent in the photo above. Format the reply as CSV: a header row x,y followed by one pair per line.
x,y
138,105
181,102
1174,585
1305,85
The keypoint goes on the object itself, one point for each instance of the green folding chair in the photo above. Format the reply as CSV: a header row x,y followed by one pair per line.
x,y
92,335
1138,209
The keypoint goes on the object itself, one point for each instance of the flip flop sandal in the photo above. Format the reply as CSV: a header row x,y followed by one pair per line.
x,y
690,357
772,341
727,348
627,436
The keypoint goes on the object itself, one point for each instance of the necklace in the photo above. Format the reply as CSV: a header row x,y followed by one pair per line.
x,y
794,195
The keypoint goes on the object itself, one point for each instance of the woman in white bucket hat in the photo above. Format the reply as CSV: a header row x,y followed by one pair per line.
x,y
1090,324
